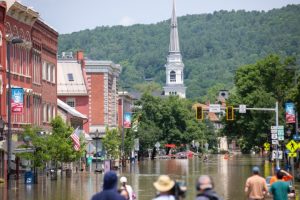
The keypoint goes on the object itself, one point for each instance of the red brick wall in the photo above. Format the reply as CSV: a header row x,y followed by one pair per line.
x,y
48,39
97,99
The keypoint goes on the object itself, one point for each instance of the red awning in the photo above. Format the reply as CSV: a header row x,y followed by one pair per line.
x,y
170,145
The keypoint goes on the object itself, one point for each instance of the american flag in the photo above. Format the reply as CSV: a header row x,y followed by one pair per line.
x,y
75,138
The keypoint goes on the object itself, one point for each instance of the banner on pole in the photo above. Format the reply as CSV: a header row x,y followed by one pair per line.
x,y
127,120
17,96
290,113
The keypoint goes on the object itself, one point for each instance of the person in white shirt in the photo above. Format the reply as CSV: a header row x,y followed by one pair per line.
x,y
128,188
164,186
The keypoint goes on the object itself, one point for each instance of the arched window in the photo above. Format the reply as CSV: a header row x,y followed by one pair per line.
x,y
172,76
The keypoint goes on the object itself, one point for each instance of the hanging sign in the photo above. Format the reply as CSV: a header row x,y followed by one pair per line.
x,y
17,96
127,120
290,113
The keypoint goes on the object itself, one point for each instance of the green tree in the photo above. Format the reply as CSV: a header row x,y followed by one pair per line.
x,y
112,142
60,144
259,85
39,143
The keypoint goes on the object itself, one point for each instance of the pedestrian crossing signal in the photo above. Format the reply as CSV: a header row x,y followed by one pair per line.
x,y
199,113
229,113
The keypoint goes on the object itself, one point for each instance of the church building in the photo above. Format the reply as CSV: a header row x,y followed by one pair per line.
x,y
174,67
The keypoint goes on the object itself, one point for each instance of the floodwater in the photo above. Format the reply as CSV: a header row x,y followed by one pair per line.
x,y
229,177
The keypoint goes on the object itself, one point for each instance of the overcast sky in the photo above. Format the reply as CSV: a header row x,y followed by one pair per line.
x,y
68,16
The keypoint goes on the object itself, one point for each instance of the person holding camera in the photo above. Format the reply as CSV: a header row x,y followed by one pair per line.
x,y
164,186
205,186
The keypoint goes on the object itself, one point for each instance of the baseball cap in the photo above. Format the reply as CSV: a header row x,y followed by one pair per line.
x,y
255,169
123,179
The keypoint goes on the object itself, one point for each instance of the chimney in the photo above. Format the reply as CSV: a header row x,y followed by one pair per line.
x,y
80,57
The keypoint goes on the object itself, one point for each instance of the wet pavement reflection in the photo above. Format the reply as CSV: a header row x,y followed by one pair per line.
x,y
229,177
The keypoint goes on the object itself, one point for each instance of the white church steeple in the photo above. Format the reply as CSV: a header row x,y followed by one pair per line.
x,y
174,66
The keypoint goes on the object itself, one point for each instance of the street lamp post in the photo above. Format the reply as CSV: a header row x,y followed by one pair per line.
x,y
13,41
96,136
122,150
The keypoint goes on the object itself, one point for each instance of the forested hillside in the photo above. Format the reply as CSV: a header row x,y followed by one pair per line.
x,y
213,46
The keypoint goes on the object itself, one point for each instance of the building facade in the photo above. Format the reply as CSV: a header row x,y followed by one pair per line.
x,y
102,79
174,67
38,44
72,84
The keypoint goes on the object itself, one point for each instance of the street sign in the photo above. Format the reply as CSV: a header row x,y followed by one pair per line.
x,y
214,108
266,145
292,146
274,155
242,109
296,137
274,141
273,131
274,136
280,132
293,154
280,137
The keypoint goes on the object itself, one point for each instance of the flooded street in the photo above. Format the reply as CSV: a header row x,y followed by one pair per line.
x,y
229,177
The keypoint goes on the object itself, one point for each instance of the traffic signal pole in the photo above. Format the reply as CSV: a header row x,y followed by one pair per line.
x,y
276,122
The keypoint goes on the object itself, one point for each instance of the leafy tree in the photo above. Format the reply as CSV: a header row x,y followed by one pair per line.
x,y
259,85
169,120
60,144
38,143
112,142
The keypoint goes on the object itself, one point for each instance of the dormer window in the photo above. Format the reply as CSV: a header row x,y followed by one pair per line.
x,y
70,77
172,76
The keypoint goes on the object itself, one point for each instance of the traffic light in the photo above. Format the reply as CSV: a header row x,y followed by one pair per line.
x,y
229,113
199,113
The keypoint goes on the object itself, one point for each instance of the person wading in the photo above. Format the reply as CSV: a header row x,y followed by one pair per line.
x,y
256,186
205,187
164,186
109,192
280,188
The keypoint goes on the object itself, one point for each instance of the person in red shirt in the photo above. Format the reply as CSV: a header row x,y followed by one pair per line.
x,y
286,177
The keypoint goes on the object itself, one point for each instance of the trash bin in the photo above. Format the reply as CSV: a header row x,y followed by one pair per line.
x,y
28,177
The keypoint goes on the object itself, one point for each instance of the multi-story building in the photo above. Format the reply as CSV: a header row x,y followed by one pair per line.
x,y
90,86
102,79
38,45
72,84
44,65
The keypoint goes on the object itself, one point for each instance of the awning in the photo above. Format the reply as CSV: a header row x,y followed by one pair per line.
x,y
69,109
170,145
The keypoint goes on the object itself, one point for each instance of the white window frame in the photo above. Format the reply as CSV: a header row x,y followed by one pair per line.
x,y
45,113
44,70
71,100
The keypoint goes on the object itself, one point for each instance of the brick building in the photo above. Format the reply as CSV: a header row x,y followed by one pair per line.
x,y
72,84
27,59
102,79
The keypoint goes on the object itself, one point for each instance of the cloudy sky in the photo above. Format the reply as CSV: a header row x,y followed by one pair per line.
x,y
68,16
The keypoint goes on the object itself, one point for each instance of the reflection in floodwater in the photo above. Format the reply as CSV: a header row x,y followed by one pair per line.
x,y
229,177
